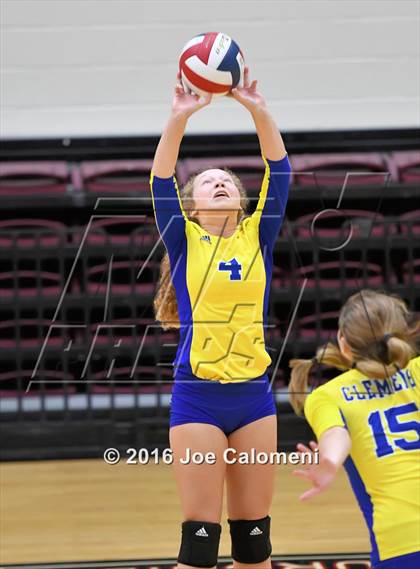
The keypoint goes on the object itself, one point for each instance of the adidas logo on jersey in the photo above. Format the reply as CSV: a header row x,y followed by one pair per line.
x,y
205,238
256,531
202,532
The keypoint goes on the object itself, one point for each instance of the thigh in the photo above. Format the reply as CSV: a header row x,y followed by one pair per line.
x,y
200,486
250,487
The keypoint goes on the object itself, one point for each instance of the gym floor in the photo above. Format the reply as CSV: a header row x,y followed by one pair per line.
x,y
87,510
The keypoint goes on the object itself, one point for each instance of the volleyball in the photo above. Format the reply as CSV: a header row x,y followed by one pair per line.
x,y
211,63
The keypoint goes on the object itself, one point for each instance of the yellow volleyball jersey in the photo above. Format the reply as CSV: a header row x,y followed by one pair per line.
x,y
382,418
222,283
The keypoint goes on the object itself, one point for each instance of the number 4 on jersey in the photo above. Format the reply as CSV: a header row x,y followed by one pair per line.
x,y
233,267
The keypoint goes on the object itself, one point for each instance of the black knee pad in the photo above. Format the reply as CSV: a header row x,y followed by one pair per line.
x,y
250,540
200,543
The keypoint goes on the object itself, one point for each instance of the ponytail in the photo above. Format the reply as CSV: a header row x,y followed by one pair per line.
x,y
328,355
381,332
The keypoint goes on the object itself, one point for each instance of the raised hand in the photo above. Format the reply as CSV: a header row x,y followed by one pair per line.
x,y
320,475
186,104
248,95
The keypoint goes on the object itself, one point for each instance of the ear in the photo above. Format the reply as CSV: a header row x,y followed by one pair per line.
x,y
344,347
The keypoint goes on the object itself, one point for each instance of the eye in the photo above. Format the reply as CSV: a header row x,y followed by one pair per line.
x,y
206,181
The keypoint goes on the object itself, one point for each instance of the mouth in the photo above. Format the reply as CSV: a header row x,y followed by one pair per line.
x,y
221,194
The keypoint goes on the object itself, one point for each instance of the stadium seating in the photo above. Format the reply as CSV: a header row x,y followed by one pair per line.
x,y
124,276
410,222
22,179
411,272
250,168
405,166
37,254
144,379
332,169
333,274
24,383
23,333
30,233
132,331
336,223
140,230
31,284
321,326
115,177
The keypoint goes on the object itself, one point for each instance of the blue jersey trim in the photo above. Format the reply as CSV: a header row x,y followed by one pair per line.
x,y
167,209
178,263
365,504
268,265
272,213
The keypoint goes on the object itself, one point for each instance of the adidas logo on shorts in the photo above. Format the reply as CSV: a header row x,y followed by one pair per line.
x,y
202,532
255,531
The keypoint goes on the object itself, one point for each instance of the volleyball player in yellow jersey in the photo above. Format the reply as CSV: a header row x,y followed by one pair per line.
x,y
367,418
214,286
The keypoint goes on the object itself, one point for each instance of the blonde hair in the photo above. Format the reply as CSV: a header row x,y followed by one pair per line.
x,y
165,303
380,330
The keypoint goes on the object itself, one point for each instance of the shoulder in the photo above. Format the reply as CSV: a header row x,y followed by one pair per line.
x,y
328,391
282,165
414,363
414,367
154,179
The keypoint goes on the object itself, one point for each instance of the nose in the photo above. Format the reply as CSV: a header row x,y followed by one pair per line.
x,y
220,184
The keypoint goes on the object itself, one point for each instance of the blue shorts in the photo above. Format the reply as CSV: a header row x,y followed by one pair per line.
x,y
229,406
409,561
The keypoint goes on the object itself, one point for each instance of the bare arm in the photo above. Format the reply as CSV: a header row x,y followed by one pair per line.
x,y
167,150
334,447
271,206
271,143
183,106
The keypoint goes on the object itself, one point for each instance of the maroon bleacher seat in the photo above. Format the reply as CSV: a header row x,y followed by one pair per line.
x,y
277,276
123,328
32,233
405,166
279,380
120,382
327,322
250,169
331,169
124,230
336,223
34,178
54,382
411,272
30,283
124,277
113,176
273,326
328,275
31,333
410,222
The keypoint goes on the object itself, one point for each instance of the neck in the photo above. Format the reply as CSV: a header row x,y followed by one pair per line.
x,y
221,226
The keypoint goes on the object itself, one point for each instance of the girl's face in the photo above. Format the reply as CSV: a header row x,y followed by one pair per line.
x,y
215,190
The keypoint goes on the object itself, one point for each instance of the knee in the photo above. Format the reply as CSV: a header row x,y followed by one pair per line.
x,y
250,540
199,543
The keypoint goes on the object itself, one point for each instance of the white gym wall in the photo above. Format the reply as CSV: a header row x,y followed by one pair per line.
x,y
78,68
